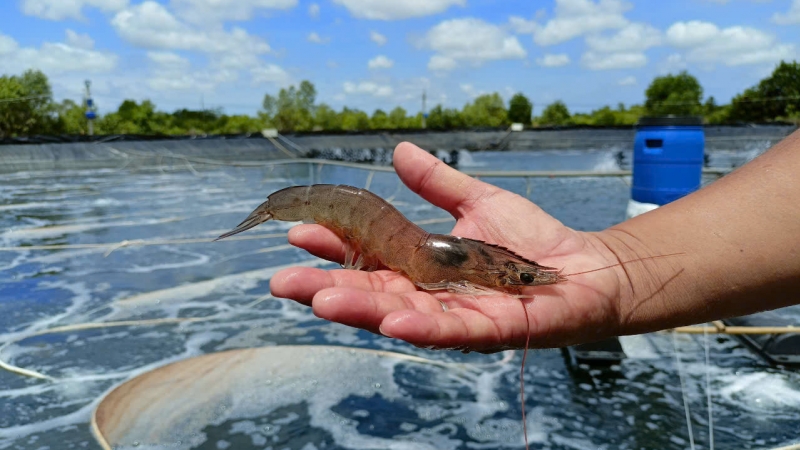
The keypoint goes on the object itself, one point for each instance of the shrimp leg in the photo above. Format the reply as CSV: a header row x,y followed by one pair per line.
x,y
466,288
460,287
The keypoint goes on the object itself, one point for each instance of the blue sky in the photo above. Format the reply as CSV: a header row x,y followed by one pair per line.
x,y
373,54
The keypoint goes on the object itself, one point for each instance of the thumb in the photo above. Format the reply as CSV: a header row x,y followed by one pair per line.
x,y
437,182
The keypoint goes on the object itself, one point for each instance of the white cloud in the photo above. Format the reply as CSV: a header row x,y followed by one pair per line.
x,y
68,9
691,34
633,37
270,73
439,63
610,61
397,10
79,40
168,59
217,11
469,40
55,57
367,87
380,62
377,37
7,45
791,17
231,53
574,18
313,10
315,38
173,72
468,89
150,25
627,81
704,42
674,63
553,60
523,26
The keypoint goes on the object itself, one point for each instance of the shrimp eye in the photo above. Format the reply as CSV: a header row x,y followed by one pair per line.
x,y
526,278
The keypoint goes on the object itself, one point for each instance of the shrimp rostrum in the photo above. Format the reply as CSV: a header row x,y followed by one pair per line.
x,y
378,235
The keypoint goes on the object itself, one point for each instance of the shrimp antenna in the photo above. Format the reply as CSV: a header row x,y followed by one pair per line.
x,y
623,263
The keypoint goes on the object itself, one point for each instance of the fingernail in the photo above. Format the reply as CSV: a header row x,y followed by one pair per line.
x,y
380,330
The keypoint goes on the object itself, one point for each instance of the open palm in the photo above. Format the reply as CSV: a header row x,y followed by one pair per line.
x,y
582,309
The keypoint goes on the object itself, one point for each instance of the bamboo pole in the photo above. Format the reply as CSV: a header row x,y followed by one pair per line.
x,y
737,330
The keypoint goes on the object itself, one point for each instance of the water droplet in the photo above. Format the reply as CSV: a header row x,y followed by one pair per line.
x,y
377,385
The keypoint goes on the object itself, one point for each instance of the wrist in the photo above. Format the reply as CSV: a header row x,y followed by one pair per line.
x,y
649,280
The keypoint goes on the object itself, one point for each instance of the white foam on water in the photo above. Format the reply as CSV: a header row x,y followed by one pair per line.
x,y
19,258
81,295
61,230
465,159
324,390
762,392
30,205
240,282
77,385
106,202
198,259
606,162
78,417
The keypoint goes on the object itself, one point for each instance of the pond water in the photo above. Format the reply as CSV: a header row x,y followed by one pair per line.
x,y
179,274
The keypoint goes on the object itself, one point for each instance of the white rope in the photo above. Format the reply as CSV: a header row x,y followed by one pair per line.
x,y
82,326
368,183
681,375
111,246
708,392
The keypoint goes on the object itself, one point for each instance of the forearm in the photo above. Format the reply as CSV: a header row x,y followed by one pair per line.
x,y
741,242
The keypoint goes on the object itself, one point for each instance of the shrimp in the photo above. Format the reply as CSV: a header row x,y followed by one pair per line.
x,y
380,235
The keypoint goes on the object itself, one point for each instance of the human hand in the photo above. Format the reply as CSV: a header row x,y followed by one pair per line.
x,y
584,308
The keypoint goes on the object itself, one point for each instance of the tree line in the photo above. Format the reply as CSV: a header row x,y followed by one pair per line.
x,y
27,108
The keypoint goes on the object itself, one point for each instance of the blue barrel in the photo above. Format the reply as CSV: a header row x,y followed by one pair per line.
x,y
667,158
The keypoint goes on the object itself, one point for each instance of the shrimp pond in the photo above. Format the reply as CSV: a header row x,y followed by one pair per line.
x,y
157,262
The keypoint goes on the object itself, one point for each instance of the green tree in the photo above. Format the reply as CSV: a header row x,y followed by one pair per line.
x,y
379,120
26,105
486,110
71,118
135,118
354,120
238,124
293,109
603,117
674,95
777,96
520,109
16,112
555,113
187,121
414,122
445,118
397,118
325,118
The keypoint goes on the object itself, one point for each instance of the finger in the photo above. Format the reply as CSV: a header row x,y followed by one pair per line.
x,y
436,182
364,309
302,283
323,243
457,328
319,241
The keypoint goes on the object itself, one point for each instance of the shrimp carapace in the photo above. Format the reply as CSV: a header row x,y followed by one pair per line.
x,y
380,235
